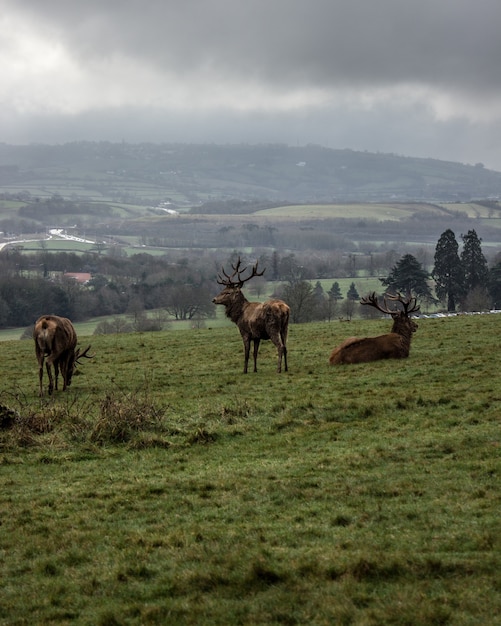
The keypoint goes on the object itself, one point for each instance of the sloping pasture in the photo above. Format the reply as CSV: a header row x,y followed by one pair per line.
x,y
373,211
167,487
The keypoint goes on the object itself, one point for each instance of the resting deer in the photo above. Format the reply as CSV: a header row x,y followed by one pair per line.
x,y
55,341
255,320
394,345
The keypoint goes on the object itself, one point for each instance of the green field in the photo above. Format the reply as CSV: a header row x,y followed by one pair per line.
x,y
378,211
166,487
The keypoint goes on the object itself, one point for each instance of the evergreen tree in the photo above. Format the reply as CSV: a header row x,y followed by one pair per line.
x,y
408,277
448,270
494,285
318,291
352,293
334,292
333,296
349,305
474,263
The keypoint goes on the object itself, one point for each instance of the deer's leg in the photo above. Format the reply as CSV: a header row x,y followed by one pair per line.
x,y
281,351
64,371
284,355
40,377
256,349
284,351
67,365
48,367
246,353
56,372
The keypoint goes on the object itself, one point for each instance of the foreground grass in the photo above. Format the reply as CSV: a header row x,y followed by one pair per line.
x,y
167,487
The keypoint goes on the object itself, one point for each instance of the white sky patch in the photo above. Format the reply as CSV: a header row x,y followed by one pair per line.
x,y
37,72
476,108
443,106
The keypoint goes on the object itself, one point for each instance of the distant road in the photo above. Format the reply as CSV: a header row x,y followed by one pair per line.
x,y
56,232
13,243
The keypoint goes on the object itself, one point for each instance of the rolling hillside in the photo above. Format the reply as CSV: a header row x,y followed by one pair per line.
x,y
187,174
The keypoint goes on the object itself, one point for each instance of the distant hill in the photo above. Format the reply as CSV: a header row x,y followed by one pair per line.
x,y
189,174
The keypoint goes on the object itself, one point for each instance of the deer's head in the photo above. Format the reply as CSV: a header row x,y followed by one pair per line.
x,y
74,360
233,283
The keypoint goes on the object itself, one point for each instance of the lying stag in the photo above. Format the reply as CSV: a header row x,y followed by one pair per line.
x,y
255,320
55,343
394,345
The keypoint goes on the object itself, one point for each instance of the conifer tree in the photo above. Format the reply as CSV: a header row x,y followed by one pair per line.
x,y
333,296
408,277
476,272
494,285
352,293
334,292
352,296
448,270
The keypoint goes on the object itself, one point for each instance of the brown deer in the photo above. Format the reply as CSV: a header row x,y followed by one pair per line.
x,y
55,344
255,320
394,345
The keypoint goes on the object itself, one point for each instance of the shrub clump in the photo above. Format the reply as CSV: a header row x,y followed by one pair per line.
x,y
122,416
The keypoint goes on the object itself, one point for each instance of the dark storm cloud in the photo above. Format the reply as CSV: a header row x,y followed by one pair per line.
x,y
324,43
421,78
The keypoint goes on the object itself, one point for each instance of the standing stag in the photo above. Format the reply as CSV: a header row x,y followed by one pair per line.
x,y
394,345
255,320
55,344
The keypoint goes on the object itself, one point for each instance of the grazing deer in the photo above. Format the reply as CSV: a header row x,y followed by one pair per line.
x,y
394,345
255,320
56,340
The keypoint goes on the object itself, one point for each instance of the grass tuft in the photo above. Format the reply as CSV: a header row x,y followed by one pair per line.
x,y
123,415
201,436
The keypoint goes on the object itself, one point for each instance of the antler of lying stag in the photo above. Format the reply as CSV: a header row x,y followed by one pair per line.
x,y
228,281
409,304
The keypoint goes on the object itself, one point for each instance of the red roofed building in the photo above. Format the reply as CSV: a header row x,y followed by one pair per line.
x,y
81,277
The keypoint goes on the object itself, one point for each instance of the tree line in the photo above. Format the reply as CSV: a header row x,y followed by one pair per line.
x,y
182,288
461,281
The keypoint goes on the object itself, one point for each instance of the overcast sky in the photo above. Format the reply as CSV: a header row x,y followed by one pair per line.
x,y
412,77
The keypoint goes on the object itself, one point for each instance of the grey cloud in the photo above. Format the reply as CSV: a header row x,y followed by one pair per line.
x,y
345,49
324,43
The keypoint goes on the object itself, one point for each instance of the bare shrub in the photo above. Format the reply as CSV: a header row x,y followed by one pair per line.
x,y
122,415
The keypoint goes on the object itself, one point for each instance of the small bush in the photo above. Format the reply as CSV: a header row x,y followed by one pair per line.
x,y
121,416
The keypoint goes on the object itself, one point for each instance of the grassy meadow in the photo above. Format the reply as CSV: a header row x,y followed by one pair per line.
x,y
166,487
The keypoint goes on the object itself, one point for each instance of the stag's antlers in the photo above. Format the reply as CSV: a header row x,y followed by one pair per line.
x,y
228,281
81,355
409,304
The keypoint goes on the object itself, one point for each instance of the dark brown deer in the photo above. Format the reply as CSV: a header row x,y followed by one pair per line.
x,y
55,345
255,320
394,345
